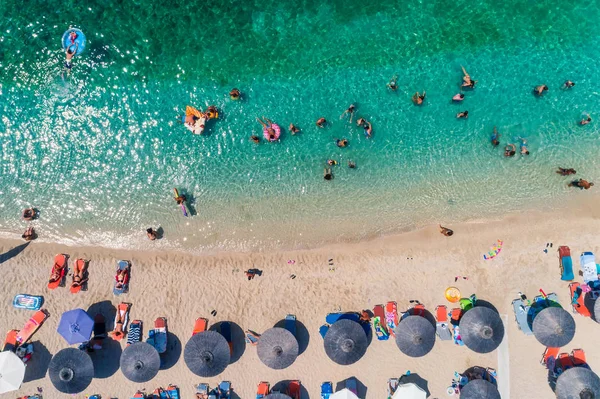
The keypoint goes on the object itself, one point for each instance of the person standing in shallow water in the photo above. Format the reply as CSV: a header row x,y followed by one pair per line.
x,y
327,175
495,137
446,231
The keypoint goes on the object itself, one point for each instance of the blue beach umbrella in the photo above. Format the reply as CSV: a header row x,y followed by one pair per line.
x,y
76,326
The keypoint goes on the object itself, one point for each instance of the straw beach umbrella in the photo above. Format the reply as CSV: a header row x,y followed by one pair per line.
x,y
277,348
345,342
140,362
554,327
578,382
481,329
12,372
415,336
479,389
207,354
75,326
71,370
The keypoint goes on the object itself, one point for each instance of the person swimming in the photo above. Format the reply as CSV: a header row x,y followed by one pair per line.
x,y
235,94
467,81
349,111
341,143
393,85
566,171
293,129
321,122
255,139
418,98
29,214
458,98
351,165
361,122
568,84
581,183
69,54
523,146
151,233
327,175
331,162
495,137
539,90
29,234
368,129
510,150
464,114
585,121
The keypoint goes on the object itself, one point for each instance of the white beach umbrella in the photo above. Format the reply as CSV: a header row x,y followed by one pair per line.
x,y
12,372
344,394
409,391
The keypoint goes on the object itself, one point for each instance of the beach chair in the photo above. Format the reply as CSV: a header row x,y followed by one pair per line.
x,y
226,333
124,269
326,390
563,363
442,329
135,332
588,267
352,385
455,315
577,300
262,390
252,337
200,325
290,324
120,331
417,310
225,390
32,325
157,337
139,395
380,331
578,357
333,317
549,353
566,263
81,266
391,316
59,271
521,310
202,391
294,388
391,387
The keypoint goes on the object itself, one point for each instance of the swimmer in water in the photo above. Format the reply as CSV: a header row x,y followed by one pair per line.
x,y
495,137
341,143
581,183
29,214
467,81
255,139
29,234
568,84
327,175
351,165
510,150
418,98
368,129
69,54
566,171
151,233
524,150
293,129
458,98
180,200
235,94
393,85
331,162
321,122
464,114
349,111
446,231
361,122
585,121
539,90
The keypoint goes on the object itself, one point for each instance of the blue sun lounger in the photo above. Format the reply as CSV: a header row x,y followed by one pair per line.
x,y
588,267
326,390
225,390
521,310
290,323
333,317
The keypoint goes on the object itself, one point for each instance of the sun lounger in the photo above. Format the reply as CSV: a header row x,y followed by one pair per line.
x,y
290,324
293,390
391,316
578,357
326,390
29,302
213,393
58,272
226,333
225,390
351,385
380,331
252,337
455,315
563,363
202,391
120,331
200,325
521,310
10,343
157,337
262,390
139,395
135,332
391,387
417,310
566,263
588,267
34,323
442,329
577,300
80,266
550,352
124,268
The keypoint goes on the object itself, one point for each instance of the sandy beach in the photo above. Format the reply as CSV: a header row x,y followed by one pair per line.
x,y
415,265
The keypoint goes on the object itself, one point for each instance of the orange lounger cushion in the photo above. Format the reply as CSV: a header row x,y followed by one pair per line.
x,y
200,326
578,356
441,313
34,323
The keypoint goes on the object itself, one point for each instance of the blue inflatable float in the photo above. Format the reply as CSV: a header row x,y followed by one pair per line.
x,y
68,42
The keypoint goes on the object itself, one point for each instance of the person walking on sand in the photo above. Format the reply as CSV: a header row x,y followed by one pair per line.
x,y
446,231
585,121
349,111
467,81
581,183
539,90
418,98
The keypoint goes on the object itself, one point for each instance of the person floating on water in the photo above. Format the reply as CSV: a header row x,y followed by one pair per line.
x,y
341,143
327,175
29,214
495,137
361,122
585,121
331,162
235,94
368,129
349,111
464,114
351,164
294,129
69,54
393,84
446,231
524,150
467,81
510,150
568,84
418,98
539,90
29,234
255,139
458,98
581,183
268,125
151,233
321,122
566,171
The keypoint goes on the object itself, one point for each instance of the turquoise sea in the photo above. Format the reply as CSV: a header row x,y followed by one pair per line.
x,y
100,151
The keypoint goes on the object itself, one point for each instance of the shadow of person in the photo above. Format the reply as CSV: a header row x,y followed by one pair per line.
x,y
190,203
160,232
171,357
38,365
11,253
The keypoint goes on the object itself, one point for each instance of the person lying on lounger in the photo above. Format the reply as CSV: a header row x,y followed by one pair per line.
x,y
78,277
122,278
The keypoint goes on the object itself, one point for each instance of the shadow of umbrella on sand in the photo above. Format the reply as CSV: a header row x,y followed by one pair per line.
x,y
207,354
140,362
71,370
481,329
277,348
479,389
578,382
345,342
554,327
415,336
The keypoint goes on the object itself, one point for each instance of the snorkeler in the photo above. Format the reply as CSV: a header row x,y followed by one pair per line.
x,y
510,150
255,139
321,122
464,114
566,171
523,146
568,84
393,85
458,98
69,54
539,90
418,98
327,174
349,111
341,143
585,121
467,81
235,94
495,137
293,129
368,129
581,183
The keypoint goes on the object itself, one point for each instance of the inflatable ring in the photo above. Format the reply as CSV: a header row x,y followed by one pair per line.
x,y
80,40
452,294
277,130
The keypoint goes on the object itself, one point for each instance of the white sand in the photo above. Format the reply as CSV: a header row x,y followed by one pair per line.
x,y
183,287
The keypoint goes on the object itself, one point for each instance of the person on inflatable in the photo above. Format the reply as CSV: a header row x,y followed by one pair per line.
x,y
72,37
70,53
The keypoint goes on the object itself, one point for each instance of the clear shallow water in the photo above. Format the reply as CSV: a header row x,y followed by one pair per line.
x,y
100,151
